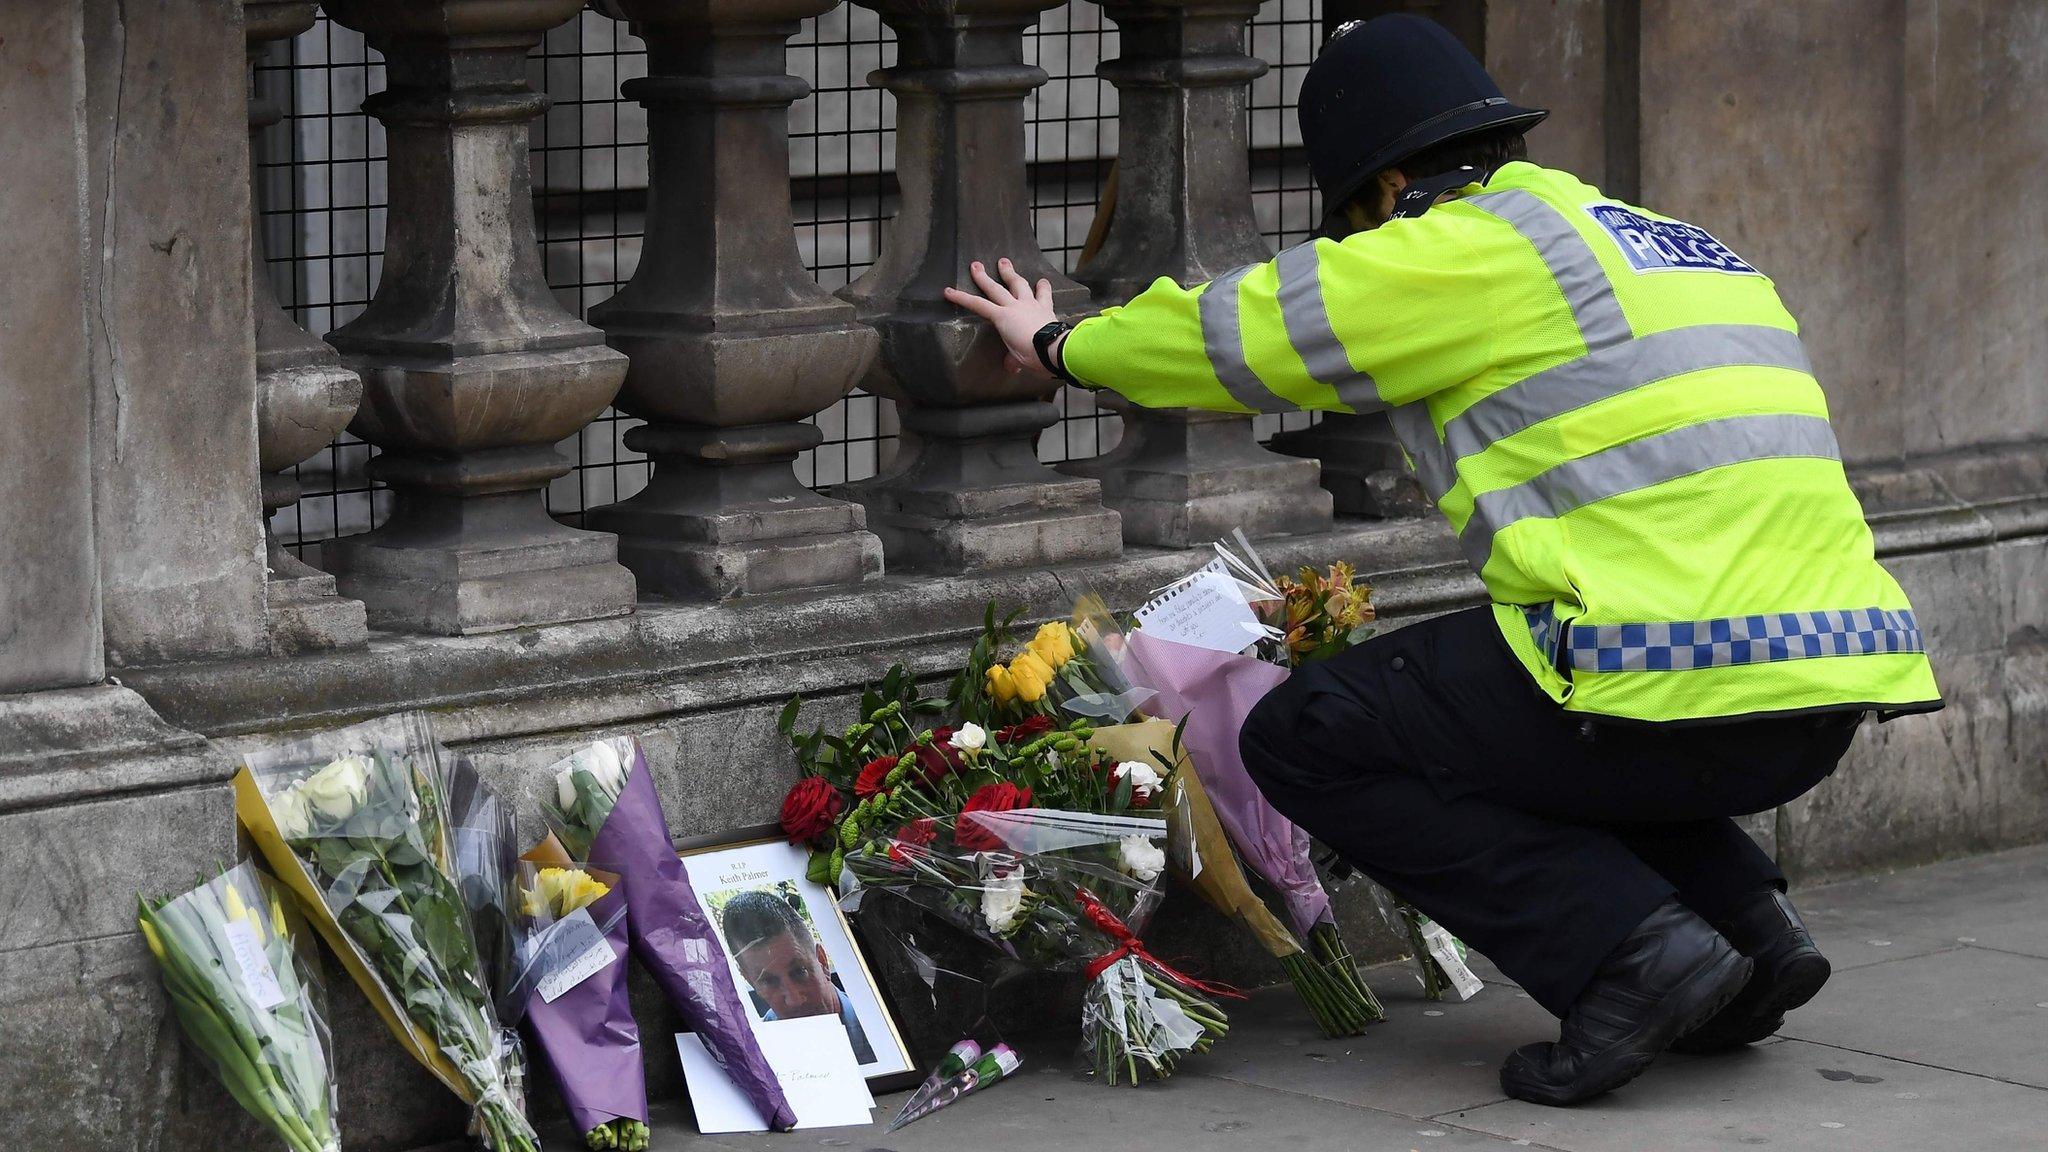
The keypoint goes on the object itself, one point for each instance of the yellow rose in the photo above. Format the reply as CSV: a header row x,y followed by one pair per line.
x,y
1030,675
1001,688
1054,644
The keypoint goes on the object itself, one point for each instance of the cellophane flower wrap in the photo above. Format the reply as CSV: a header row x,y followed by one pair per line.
x,y
1022,838
484,833
605,809
356,821
573,943
243,983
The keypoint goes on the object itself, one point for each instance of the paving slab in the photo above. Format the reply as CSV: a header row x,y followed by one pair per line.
x,y
1425,1058
1998,901
1058,1110
1971,1010
1791,1096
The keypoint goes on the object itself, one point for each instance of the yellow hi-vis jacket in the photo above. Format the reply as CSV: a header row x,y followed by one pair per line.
x,y
1614,411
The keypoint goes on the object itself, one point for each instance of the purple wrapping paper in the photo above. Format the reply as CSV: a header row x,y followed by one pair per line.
x,y
677,944
589,1037
1216,692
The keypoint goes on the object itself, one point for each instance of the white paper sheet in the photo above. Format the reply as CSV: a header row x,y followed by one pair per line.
x,y
1207,610
812,1058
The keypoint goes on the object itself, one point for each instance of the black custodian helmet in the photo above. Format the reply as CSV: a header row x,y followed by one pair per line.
x,y
1386,88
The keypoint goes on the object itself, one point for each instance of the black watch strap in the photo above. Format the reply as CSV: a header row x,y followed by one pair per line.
x,y
1042,342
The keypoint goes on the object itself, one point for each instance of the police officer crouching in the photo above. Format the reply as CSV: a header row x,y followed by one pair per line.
x,y
1616,415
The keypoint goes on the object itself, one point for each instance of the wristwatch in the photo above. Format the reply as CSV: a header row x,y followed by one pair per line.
x,y
1042,342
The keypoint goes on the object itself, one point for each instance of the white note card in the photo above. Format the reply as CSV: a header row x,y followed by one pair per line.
x,y
257,975
1207,610
572,951
1443,948
811,1057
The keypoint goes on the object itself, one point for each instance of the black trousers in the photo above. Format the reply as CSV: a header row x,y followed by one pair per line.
x,y
1428,759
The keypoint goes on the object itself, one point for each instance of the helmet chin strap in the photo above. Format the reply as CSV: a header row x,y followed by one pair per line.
x,y
1420,195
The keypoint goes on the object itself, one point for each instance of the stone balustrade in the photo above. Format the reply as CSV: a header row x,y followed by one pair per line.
x,y
153,398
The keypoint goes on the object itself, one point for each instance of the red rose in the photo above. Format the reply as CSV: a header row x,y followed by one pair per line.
x,y
938,759
810,808
975,836
1024,730
872,775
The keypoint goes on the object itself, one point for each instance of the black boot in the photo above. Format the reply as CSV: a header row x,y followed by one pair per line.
x,y
1672,972
1789,971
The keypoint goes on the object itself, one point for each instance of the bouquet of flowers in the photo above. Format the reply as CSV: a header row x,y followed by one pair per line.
x,y
1066,670
484,833
606,809
244,991
355,822
1318,614
1320,971
1024,838
1210,692
572,980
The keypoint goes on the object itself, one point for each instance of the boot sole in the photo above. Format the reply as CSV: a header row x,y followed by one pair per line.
x,y
1799,982
1702,995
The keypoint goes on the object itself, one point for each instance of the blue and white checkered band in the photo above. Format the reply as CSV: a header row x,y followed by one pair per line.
x,y
1679,645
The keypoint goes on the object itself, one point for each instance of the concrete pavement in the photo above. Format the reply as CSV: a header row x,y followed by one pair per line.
x,y
1933,1034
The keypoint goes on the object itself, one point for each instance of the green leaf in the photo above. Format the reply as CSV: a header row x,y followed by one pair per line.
x,y
786,723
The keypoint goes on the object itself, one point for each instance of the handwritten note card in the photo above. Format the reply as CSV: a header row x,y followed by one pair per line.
x,y
258,978
1206,610
572,951
814,1062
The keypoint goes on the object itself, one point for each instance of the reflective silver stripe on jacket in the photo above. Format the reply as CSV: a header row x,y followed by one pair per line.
x,y
1307,316
1223,341
1570,259
1640,464
1610,372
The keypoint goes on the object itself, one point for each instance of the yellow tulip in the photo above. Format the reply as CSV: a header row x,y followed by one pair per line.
x,y
240,911
1001,688
149,936
277,917
1031,675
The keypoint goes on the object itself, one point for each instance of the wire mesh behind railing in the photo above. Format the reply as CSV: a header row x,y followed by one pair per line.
x,y
323,205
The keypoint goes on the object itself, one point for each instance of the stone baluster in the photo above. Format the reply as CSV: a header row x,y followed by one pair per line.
x,y
472,372
1184,211
303,394
965,491
732,342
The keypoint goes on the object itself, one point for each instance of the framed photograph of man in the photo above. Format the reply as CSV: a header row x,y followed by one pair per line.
x,y
790,949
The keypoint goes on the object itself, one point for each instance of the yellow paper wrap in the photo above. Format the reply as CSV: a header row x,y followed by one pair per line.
x,y
254,813
1193,833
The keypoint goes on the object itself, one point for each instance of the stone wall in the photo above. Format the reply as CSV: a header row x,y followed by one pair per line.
x,y
1878,158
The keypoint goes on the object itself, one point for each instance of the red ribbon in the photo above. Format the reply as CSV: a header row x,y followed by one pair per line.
x,y
1128,944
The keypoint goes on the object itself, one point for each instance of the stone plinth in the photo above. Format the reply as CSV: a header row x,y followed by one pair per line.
x,y
966,491
732,342
471,369
1183,210
303,394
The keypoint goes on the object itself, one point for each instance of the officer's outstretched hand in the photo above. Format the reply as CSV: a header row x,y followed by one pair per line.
x,y
1014,307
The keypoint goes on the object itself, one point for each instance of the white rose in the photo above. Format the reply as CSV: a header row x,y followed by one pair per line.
x,y
337,790
600,761
1145,779
1002,901
1143,859
288,812
969,737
